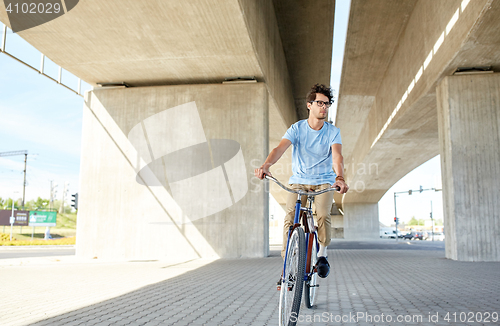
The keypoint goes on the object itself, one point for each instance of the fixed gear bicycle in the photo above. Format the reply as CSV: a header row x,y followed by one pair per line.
x,y
299,266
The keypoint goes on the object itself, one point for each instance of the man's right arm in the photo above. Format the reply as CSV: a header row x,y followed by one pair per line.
x,y
272,158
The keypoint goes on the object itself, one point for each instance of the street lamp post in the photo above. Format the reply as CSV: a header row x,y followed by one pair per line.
x,y
396,217
24,183
12,218
432,220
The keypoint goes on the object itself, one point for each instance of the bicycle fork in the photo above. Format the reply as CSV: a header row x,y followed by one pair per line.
x,y
296,222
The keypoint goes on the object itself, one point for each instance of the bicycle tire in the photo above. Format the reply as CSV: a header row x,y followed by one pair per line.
x,y
311,285
291,289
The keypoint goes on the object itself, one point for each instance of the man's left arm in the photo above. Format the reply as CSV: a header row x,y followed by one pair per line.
x,y
338,167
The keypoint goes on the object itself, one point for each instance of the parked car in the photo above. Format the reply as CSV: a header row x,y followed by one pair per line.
x,y
388,234
408,236
418,235
426,235
438,236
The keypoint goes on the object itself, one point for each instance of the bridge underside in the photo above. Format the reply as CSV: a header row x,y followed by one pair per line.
x,y
170,54
397,54
400,103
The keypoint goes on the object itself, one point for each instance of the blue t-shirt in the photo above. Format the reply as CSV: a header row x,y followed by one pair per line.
x,y
312,162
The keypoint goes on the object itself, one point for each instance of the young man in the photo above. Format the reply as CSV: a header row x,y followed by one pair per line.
x,y
317,148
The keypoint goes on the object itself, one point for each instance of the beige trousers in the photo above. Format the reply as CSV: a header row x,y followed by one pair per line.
x,y
323,205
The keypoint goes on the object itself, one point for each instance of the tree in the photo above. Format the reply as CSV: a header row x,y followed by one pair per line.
x,y
413,221
41,203
8,204
29,205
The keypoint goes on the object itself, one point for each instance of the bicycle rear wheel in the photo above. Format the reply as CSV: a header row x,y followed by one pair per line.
x,y
292,285
311,284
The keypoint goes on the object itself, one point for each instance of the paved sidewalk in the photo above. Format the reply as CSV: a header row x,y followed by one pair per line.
x,y
407,286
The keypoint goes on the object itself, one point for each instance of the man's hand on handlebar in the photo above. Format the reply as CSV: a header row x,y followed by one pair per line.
x,y
342,185
263,170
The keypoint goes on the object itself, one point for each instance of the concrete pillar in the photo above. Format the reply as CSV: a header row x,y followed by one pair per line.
x,y
361,221
337,226
469,136
165,172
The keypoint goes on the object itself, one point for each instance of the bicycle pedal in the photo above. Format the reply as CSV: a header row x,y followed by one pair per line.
x,y
278,287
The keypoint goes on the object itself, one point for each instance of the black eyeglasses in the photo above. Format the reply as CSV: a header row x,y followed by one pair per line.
x,y
321,103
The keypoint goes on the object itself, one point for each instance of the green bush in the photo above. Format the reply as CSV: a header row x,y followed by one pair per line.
x,y
5,241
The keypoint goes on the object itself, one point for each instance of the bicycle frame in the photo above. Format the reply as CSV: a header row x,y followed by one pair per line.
x,y
304,258
296,223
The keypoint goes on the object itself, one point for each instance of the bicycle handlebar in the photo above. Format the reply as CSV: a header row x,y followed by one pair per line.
x,y
300,192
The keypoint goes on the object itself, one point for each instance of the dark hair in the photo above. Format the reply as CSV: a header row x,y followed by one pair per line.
x,y
321,89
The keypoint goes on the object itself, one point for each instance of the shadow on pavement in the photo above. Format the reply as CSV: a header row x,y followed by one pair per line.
x,y
408,284
223,290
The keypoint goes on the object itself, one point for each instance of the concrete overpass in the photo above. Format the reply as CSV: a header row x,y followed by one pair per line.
x,y
170,54
402,102
399,64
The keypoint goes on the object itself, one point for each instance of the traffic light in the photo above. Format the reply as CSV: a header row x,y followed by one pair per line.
x,y
409,192
74,201
395,219
421,189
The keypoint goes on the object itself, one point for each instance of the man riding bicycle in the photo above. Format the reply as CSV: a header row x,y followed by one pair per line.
x,y
317,147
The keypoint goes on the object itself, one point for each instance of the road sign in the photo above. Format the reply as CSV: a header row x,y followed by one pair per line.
x,y
38,218
21,217
12,219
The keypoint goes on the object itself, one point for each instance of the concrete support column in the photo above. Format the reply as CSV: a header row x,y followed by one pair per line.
x,y
337,226
469,136
361,221
165,172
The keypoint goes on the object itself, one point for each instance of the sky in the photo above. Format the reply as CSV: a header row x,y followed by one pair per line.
x,y
38,115
428,175
339,35
42,117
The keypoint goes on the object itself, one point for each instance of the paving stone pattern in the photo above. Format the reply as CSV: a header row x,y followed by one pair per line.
x,y
409,284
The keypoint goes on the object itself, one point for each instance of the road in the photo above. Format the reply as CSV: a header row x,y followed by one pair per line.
x,y
382,244
387,244
35,251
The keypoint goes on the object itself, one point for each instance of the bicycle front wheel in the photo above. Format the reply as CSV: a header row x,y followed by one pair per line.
x,y
293,281
311,284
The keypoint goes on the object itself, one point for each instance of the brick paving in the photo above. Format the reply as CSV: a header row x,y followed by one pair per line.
x,y
411,285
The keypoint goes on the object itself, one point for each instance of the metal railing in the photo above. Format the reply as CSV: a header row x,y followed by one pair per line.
x,y
42,64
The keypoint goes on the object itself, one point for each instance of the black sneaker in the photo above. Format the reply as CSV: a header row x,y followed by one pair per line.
x,y
323,267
